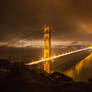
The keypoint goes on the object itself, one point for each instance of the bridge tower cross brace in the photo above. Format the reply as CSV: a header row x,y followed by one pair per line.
x,y
47,48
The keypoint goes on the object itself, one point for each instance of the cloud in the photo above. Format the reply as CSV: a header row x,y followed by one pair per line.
x,y
70,19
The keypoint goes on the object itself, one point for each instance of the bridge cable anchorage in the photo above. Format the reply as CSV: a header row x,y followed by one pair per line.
x,y
58,56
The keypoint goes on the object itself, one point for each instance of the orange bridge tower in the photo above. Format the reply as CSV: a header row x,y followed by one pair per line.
x,y
47,47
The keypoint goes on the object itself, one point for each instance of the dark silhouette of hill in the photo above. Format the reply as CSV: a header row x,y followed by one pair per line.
x,y
24,79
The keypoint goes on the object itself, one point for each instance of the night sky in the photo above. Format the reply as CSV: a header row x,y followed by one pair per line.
x,y
24,19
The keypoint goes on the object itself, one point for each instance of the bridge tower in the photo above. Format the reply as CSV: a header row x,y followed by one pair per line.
x,y
47,47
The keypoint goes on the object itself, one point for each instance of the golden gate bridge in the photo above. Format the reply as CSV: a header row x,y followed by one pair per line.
x,y
47,58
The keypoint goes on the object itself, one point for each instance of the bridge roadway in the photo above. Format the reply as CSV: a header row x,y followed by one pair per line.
x,y
58,56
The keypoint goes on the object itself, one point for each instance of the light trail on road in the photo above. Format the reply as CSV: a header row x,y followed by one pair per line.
x,y
61,55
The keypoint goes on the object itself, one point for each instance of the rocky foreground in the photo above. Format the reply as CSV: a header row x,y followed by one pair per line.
x,y
33,81
20,78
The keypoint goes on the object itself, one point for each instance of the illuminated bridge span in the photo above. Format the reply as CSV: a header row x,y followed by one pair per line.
x,y
47,51
61,55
